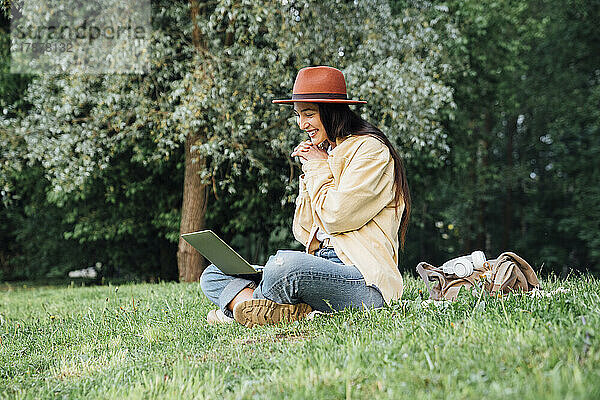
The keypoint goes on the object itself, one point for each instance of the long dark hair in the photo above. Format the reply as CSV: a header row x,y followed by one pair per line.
x,y
340,121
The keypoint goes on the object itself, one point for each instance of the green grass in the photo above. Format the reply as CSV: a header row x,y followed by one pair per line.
x,y
152,341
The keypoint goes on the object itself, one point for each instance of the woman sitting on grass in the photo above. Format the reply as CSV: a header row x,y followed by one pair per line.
x,y
353,200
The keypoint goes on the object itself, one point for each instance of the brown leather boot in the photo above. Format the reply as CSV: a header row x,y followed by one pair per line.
x,y
267,312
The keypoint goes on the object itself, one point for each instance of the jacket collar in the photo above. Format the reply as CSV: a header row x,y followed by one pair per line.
x,y
339,140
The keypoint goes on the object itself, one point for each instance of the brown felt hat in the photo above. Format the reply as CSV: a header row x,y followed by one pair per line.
x,y
320,85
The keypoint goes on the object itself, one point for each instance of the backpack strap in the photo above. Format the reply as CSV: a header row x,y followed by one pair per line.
x,y
525,268
426,271
451,292
521,283
502,275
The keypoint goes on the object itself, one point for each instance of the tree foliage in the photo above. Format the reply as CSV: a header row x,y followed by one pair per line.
x,y
524,143
493,104
109,145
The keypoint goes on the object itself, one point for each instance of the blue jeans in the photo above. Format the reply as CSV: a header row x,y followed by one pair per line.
x,y
290,277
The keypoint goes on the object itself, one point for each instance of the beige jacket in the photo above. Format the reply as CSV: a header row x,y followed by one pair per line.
x,y
351,197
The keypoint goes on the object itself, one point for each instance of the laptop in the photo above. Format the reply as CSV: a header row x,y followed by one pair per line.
x,y
214,249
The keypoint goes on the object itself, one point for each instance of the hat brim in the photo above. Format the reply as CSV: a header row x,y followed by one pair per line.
x,y
333,101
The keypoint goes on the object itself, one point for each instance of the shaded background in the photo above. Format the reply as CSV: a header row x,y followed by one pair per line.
x,y
494,105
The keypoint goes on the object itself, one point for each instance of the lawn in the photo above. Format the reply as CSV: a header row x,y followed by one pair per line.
x,y
152,341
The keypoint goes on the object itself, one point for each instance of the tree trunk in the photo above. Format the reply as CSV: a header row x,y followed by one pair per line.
x,y
422,251
508,209
193,210
189,262
482,235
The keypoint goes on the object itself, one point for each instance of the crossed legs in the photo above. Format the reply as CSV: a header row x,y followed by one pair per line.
x,y
293,277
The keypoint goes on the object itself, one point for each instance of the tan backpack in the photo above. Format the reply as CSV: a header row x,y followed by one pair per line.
x,y
506,273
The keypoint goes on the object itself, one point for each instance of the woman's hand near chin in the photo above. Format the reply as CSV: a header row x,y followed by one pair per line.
x,y
308,151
